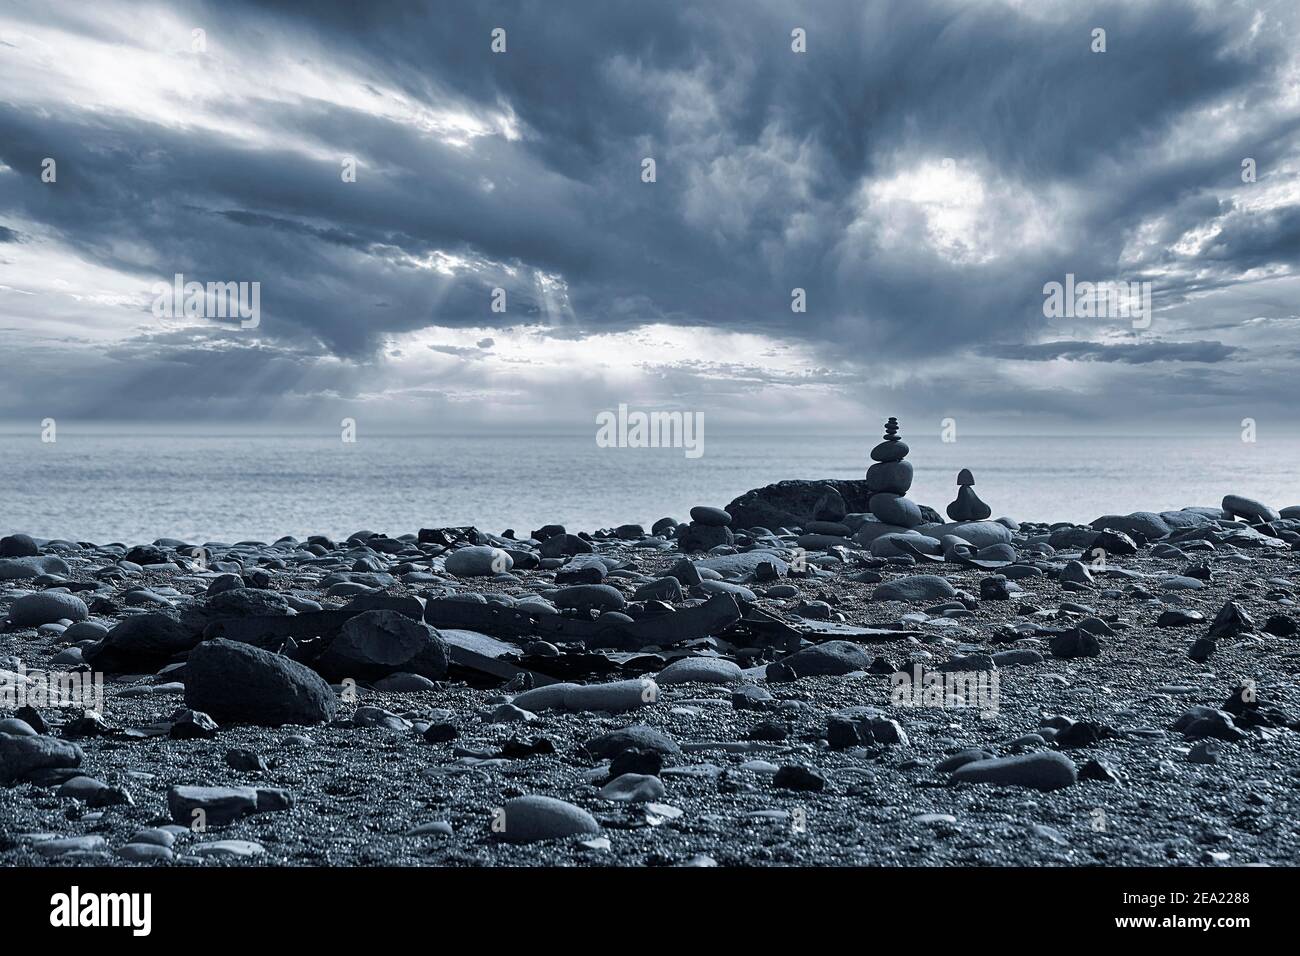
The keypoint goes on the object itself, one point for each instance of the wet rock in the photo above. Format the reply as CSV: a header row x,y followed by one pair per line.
x,y
1075,642
18,546
142,642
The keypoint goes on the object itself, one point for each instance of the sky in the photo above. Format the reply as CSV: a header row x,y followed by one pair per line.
x,y
921,170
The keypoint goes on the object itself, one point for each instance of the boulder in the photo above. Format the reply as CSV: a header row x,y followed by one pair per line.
x,y
239,683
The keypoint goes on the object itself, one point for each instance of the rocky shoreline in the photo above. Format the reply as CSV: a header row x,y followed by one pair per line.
x,y
788,680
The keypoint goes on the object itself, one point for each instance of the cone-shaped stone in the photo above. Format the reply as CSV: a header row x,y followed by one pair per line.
x,y
964,477
968,506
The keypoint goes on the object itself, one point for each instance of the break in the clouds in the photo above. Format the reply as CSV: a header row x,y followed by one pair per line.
x,y
920,172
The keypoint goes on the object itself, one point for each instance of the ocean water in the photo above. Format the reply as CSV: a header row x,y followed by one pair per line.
x,y
211,485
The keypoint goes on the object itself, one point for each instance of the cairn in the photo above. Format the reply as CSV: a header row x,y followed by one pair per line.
x,y
889,479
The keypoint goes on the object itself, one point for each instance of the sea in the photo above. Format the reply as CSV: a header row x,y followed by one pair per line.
x,y
134,485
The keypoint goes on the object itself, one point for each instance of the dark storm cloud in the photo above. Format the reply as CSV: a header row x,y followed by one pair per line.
x,y
10,235
766,165
1131,354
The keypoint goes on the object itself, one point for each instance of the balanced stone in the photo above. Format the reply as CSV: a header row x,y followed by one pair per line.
x,y
895,509
710,517
894,477
967,506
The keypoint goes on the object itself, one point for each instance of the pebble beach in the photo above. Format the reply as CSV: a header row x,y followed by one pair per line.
x,y
820,673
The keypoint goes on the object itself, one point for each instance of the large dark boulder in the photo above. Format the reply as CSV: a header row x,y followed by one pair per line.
x,y
239,683
794,503
143,642
375,644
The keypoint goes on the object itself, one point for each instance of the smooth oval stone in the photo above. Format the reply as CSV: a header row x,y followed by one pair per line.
x,y
1042,770
895,509
916,587
1248,508
740,592
16,727
700,670
18,546
830,657
890,451
980,534
532,818
85,631
712,517
614,697
228,849
633,788
478,561
604,597
146,853
12,569
46,608
895,545
894,477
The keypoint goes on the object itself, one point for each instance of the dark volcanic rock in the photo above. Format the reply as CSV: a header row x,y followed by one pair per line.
x,y
374,644
142,642
22,755
793,503
244,684
18,546
1043,770
831,657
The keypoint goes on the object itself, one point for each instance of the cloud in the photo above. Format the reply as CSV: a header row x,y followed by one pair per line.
x,y
920,173
1131,354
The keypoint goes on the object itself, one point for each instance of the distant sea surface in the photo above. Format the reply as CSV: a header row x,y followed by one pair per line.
x,y
134,487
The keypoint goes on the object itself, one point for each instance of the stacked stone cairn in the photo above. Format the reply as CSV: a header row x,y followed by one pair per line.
x,y
889,479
